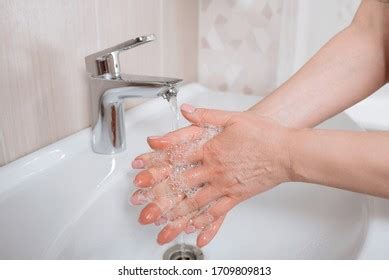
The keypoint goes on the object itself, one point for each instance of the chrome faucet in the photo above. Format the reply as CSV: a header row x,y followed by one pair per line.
x,y
109,87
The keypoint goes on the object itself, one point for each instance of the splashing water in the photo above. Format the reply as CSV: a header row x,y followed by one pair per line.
x,y
177,155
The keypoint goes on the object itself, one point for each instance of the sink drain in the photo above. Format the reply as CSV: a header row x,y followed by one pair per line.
x,y
183,252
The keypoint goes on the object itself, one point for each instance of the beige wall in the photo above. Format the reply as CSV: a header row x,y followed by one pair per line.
x,y
44,91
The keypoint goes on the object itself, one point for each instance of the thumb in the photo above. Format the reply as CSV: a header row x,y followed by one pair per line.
x,y
202,116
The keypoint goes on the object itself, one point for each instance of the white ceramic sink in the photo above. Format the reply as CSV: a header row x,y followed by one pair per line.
x,y
65,202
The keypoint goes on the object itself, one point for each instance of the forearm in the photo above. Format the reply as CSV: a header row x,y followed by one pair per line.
x,y
346,70
355,161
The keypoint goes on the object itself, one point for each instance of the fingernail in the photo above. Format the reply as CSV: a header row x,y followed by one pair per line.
x,y
146,219
132,200
160,139
137,182
202,241
160,242
138,199
149,214
187,108
189,229
143,179
138,164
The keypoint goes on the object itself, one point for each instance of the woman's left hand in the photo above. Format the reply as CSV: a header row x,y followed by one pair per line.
x,y
249,156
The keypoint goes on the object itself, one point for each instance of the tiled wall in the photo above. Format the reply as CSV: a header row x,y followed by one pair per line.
x,y
239,42
251,46
43,85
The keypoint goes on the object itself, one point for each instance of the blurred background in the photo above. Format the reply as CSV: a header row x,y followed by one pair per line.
x,y
233,46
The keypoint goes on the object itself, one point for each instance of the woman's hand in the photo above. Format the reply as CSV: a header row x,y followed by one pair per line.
x,y
249,156
156,183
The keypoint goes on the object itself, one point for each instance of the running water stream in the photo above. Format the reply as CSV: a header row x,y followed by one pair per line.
x,y
175,113
178,155
175,125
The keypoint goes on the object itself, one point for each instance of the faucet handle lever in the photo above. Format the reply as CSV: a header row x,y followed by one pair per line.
x,y
125,46
106,62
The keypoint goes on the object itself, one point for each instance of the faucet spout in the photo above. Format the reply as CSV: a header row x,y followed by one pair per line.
x,y
108,133
109,87
117,94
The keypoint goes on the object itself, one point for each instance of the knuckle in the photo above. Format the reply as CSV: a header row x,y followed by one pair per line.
x,y
214,213
193,204
213,154
210,148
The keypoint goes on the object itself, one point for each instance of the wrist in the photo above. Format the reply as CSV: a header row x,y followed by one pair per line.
x,y
296,142
263,112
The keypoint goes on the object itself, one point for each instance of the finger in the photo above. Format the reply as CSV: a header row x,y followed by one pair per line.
x,y
189,229
144,195
151,176
141,197
209,233
213,213
164,198
138,164
155,210
203,197
160,221
182,153
172,230
186,154
149,214
149,160
200,116
181,135
192,177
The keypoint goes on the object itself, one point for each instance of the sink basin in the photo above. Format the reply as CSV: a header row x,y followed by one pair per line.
x,y
66,202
